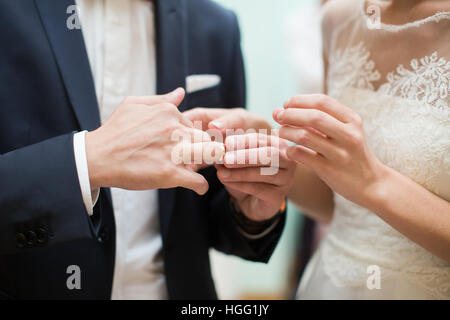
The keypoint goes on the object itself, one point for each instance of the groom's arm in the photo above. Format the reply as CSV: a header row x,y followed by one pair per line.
x,y
226,233
40,197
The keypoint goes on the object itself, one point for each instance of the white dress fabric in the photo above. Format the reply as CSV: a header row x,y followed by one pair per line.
x,y
397,78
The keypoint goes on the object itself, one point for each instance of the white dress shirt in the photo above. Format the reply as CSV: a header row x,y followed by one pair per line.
x,y
120,42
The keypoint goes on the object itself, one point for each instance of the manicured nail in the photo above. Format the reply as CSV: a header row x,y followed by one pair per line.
x,y
230,158
216,124
280,115
225,173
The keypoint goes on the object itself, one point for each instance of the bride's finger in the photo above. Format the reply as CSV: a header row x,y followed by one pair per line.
x,y
323,103
308,157
315,119
311,140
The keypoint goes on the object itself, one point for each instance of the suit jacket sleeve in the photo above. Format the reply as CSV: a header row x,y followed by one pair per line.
x,y
224,234
40,197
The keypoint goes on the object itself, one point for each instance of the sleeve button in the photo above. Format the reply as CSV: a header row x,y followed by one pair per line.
x,y
31,238
41,235
21,240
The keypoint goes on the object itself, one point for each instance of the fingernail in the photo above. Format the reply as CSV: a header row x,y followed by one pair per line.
x,y
280,115
225,173
216,124
285,105
176,92
230,158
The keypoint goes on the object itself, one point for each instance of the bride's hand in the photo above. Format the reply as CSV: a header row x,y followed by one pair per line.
x,y
330,140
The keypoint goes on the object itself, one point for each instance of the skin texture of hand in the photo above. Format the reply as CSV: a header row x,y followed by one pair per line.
x,y
132,150
257,195
222,119
330,140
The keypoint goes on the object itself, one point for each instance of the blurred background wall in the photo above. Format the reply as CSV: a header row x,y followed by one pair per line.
x,y
281,47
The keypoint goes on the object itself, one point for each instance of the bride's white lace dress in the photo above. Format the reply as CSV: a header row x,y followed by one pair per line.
x,y
398,79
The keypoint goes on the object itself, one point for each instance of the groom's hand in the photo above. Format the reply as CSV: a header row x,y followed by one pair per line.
x,y
133,149
258,196
222,119
257,173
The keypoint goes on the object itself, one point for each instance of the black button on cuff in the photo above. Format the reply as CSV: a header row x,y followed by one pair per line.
x,y
21,240
41,236
31,238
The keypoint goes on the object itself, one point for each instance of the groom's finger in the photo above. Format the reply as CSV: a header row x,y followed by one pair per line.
x,y
200,154
252,175
253,140
187,134
261,191
204,115
257,157
175,97
230,120
191,180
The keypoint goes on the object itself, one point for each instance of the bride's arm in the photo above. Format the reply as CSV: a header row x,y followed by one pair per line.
x,y
311,195
331,143
414,211
308,192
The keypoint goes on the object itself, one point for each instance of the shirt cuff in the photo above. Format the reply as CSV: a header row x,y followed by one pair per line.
x,y
90,197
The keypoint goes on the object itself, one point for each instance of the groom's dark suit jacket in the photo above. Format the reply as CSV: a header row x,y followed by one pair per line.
x,y
47,93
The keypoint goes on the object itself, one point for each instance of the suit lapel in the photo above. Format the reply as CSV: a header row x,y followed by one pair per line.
x,y
71,56
73,63
171,73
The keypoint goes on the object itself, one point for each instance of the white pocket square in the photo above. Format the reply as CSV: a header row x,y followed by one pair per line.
x,y
197,82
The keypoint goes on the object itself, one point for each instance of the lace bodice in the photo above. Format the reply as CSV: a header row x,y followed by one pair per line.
x,y
398,80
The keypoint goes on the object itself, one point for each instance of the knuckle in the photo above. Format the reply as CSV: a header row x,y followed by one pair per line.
x,y
322,99
344,157
289,114
355,137
357,120
294,100
165,170
167,106
291,152
302,136
175,128
240,115
282,144
240,111
283,132
316,117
